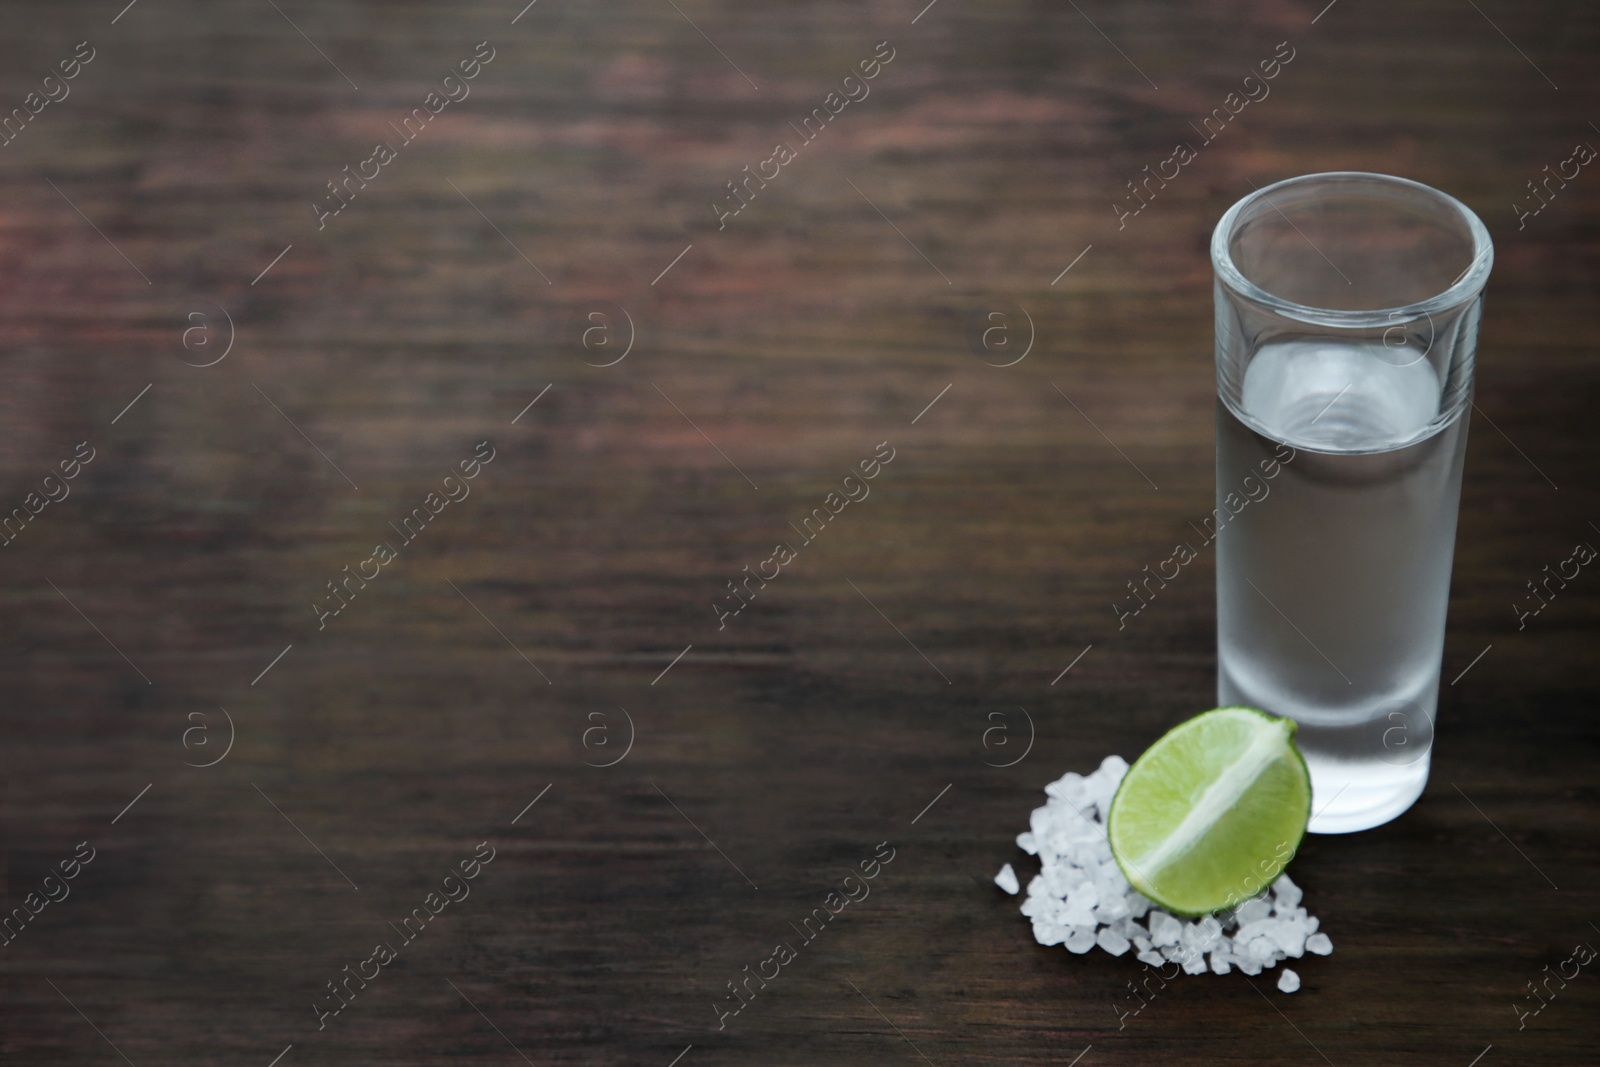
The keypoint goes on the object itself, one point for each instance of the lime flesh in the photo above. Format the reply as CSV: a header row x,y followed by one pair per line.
x,y
1212,812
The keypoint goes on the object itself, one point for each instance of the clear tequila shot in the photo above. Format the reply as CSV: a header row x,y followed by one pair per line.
x,y
1347,312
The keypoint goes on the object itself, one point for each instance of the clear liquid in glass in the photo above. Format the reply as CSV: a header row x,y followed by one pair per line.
x,y
1333,574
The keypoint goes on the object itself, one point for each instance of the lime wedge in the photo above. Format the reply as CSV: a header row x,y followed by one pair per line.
x,y
1212,812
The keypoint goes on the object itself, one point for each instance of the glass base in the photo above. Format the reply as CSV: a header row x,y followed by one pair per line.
x,y
1346,796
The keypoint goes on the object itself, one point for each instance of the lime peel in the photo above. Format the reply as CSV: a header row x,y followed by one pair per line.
x,y
1212,812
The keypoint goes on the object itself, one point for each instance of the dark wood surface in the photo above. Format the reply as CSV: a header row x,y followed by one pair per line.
x,y
821,321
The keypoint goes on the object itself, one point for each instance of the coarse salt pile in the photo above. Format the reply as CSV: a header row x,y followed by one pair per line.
x,y
1081,899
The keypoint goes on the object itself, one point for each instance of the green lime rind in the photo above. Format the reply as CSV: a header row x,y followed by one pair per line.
x,y
1212,812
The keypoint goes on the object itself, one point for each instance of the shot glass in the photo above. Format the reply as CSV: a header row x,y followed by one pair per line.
x,y
1347,308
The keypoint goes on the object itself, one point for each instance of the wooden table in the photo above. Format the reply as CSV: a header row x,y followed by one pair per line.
x,y
163,208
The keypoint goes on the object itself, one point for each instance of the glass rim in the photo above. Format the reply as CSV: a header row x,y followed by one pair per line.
x,y
1465,288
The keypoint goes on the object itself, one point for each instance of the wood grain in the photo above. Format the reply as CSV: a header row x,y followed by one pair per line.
x,y
820,321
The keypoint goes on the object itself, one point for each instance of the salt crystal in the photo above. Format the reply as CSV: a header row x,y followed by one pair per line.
x,y
1076,852
1112,768
1151,957
1110,879
1253,910
1101,789
1287,893
1164,929
1111,910
1078,818
1075,914
1040,823
1220,964
1112,941
1142,943
1080,940
1260,949
1048,933
1080,905
1028,843
1068,787
1248,966
1194,963
1288,981
1290,939
1320,944
1138,904
1007,880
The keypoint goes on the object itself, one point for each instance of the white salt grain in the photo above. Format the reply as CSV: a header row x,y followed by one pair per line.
x,y
1320,944
1288,981
1111,910
1078,916
1253,910
1111,941
1109,879
1080,939
1260,949
1101,788
1048,933
1164,929
1249,930
1068,787
1080,906
1040,823
1007,880
1290,939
